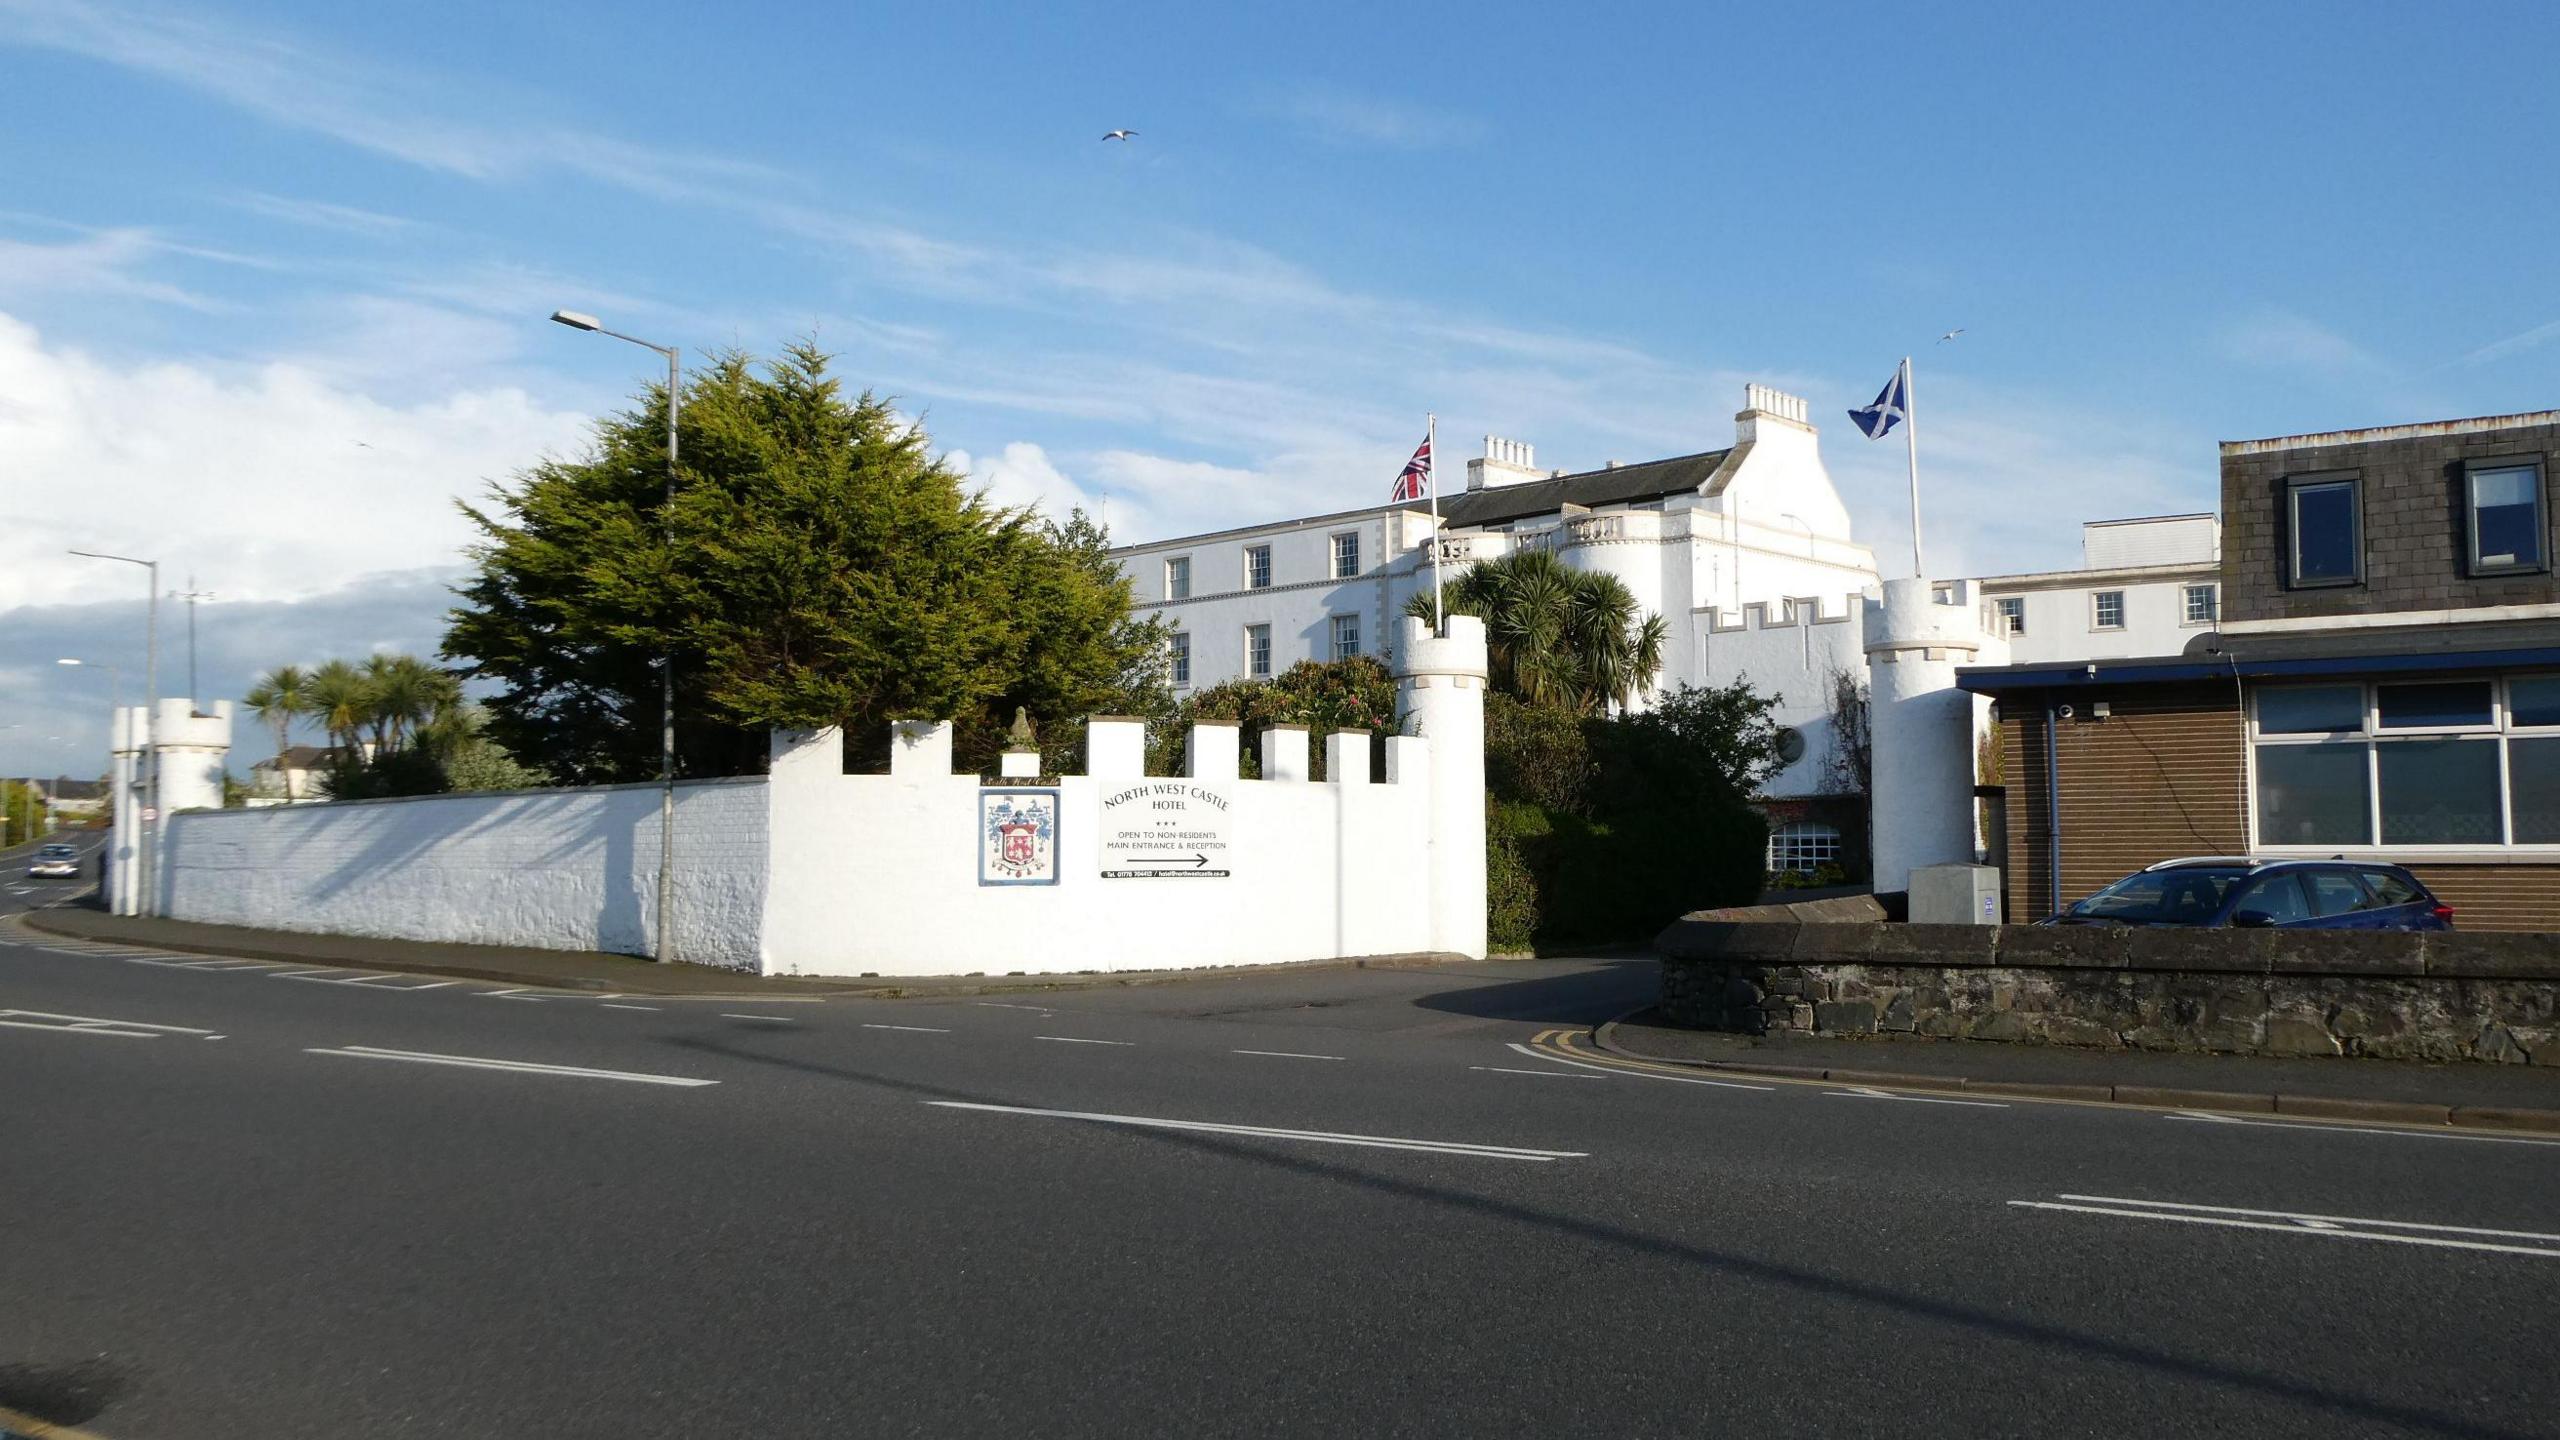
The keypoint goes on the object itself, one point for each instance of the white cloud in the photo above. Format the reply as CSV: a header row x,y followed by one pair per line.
x,y
1342,118
269,482
320,214
104,262
2281,340
1022,474
360,103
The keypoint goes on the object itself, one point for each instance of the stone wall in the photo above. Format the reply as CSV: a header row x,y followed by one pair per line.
x,y
2433,996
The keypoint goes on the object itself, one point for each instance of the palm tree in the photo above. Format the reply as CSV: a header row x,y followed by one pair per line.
x,y
1558,636
408,694
280,696
341,699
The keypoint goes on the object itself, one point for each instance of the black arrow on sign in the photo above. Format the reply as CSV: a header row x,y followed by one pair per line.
x,y
1195,862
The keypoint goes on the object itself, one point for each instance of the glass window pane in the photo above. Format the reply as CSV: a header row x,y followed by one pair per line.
x,y
2534,701
2432,706
2312,795
2335,892
2440,792
2311,709
2279,897
2389,889
2506,516
2324,531
2533,781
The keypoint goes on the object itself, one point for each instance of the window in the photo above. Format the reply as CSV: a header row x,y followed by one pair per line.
x,y
2463,764
2106,610
2278,897
1257,651
1346,636
1346,555
2325,522
2203,605
2389,889
1177,578
1257,567
2013,614
1943,592
1178,655
2504,502
2334,892
1802,847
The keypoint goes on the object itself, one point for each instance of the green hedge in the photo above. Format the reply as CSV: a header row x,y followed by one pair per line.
x,y
1602,829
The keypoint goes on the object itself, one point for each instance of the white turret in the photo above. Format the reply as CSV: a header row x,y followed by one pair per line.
x,y
1921,726
1440,681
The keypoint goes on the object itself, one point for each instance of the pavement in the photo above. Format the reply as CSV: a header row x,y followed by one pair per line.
x,y
2499,1096
74,915
251,1198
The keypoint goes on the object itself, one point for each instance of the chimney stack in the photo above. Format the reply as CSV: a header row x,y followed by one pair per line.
x,y
1505,462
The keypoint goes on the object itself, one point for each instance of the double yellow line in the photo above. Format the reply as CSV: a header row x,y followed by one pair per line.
x,y
1568,1043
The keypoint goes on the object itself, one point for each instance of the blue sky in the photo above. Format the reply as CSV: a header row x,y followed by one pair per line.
x,y
273,277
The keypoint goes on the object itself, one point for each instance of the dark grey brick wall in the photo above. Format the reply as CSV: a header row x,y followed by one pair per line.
x,y
2413,526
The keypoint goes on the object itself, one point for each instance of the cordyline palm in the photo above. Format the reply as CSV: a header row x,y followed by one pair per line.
x,y
1558,636
340,698
280,696
408,694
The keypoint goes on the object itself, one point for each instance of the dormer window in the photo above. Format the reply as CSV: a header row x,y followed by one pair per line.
x,y
2502,501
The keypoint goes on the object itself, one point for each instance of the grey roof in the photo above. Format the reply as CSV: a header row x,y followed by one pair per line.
x,y
1650,480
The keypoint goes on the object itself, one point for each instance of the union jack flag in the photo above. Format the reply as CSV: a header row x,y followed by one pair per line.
x,y
1417,475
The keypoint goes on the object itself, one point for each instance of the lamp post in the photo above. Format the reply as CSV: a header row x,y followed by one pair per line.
x,y
665,949
150,715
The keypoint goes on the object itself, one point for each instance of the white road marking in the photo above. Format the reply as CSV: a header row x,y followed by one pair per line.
x,y
2315,1221
1638,1074
93,1025
1000,1005
776,1019
1285,1054
2325,1226
302,974
1080,1040
1864,1092
2447,1134
524,1067
1541,1074
652,1009
1324,1137
229,965
921,1029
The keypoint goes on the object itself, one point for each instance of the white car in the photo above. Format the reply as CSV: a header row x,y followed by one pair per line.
x,y
55,862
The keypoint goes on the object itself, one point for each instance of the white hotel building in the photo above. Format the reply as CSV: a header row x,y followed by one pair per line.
x,y
1747,550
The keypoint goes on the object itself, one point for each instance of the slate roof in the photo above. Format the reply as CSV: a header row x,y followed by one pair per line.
x,y
1628,484
301,757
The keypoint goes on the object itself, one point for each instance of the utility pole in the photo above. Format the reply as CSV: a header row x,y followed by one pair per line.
x,y
191,596
149,855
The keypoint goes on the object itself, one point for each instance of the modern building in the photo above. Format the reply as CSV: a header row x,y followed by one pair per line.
x,y
2383,683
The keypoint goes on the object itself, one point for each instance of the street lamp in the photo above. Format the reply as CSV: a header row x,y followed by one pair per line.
x,y
665,949
150,716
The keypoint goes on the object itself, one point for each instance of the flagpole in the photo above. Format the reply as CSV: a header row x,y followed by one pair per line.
x,y
1439,601
1911,444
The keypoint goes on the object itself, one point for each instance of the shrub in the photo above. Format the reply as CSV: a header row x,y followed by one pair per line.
x,y
1607,829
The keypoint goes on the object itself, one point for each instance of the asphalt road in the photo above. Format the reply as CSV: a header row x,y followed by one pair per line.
x,y
250,1200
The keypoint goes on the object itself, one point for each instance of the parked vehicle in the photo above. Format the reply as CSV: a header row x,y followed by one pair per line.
x,y
2264,894
55,862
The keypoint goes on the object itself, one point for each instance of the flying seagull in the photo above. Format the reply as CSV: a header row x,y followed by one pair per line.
x,y
1950,335
1121,135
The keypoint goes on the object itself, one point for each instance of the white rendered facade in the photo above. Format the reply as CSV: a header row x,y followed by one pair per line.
x,y
1702,539
2163,572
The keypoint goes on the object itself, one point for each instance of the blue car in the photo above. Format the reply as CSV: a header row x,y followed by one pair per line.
x,y
2265,894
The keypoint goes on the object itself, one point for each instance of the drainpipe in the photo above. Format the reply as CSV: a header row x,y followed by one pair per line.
x,y
2053,802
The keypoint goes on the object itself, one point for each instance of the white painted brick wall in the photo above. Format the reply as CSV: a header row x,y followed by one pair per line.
x,y
557,869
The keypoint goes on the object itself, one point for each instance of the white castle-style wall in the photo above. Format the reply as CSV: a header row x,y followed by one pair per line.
x,y
812,871
1922,727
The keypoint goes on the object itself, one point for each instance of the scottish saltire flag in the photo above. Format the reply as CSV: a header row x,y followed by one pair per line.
x,y
1412,484
1891,408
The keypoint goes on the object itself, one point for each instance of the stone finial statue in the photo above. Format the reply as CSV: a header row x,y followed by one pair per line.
x,y
1020,737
